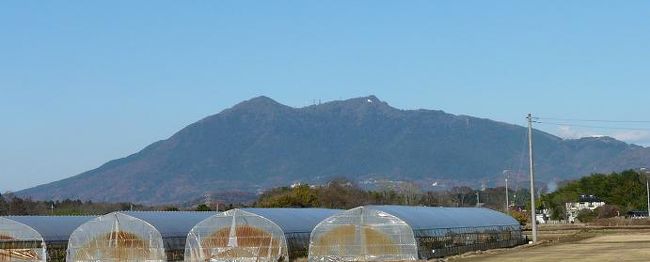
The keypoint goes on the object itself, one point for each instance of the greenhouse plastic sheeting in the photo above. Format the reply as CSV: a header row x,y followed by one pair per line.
x,y
54,229
296,223
362,234
420,217
446,231
236,235
173,227
295,220
19,242
116,237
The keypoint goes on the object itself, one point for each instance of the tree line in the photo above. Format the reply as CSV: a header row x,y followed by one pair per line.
x,y
11,204
622,192
344,194
339,193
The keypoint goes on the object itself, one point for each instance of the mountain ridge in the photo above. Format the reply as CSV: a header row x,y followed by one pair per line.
x,y
261,143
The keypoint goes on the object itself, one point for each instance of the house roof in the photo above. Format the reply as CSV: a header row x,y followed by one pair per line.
x,y
589,199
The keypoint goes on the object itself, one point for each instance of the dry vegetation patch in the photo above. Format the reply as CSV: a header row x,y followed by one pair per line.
x,y
586,244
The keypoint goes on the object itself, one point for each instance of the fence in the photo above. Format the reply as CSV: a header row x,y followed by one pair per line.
x,y
437,243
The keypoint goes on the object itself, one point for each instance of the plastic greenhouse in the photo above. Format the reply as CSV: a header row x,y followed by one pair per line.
x,y
362,234
55,231
19,242
173,227
116,237
398,233
254,234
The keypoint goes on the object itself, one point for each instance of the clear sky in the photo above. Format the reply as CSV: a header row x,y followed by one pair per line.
x,y
84,82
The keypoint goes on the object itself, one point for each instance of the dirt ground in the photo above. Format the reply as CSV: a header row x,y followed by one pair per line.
x,y
575,244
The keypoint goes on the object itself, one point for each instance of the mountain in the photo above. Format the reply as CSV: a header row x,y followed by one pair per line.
x,y
261,143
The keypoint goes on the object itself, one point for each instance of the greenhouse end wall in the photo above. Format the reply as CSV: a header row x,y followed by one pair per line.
x,y
20,243
362,234
116,237
55,231
236,235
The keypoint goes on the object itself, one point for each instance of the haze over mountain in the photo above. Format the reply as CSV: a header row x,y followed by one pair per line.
x,y
260,143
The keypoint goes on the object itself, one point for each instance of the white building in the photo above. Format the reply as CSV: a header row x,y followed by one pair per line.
x,y
590,202
543,216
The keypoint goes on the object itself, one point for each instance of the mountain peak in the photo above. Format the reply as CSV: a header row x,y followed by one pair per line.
x,y
364,99
259,100
359,104
259,103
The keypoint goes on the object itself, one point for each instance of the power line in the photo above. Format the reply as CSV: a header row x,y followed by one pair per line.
x,y
592,120
590,126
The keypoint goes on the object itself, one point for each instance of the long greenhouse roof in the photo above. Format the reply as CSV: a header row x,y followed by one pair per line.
x,y
448,217
294,220
52,228
171,223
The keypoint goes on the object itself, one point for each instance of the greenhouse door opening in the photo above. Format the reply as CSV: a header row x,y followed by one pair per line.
x,y
236,235
116,237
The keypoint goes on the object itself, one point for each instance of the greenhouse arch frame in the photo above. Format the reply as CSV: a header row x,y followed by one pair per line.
x,y
362,234
236,235
20,242
435,231
116,237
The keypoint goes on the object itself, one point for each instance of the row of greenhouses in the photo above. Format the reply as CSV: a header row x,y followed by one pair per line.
x,y
367,233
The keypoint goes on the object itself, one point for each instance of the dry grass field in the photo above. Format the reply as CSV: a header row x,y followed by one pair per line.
x,y
574,243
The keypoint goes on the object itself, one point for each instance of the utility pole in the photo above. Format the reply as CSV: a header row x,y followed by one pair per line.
x,y
647,186
478,199
532,178
505,172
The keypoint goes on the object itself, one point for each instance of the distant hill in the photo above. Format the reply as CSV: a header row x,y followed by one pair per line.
x,y
260,143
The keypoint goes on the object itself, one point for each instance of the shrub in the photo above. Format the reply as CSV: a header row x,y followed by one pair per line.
x,y
607,211
203,207
586,215
170,208
521,217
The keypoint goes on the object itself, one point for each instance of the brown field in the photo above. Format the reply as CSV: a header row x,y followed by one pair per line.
x,y
117,245
575,243
346,236
248,238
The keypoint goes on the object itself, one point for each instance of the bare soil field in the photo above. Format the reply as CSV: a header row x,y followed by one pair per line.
x,y
575,243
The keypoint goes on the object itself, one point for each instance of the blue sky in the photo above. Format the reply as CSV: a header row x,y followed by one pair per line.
x,y
84,82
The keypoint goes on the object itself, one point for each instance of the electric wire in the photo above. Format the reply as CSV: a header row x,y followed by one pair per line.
x,y
591,120
593,126
520,169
